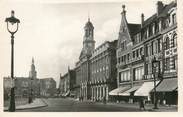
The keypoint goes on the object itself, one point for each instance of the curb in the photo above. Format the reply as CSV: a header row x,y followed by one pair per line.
x,y
45,104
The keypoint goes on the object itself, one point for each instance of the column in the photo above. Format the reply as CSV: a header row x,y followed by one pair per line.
x,y
107,93
97,92
171,55
86,92
91,93
94,95
104,92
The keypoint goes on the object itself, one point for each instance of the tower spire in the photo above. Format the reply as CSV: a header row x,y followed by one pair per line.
x,y
32,60
88,16
124,11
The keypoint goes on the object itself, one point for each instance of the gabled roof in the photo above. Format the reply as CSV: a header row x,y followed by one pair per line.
x,y
163,13
167,8
134,28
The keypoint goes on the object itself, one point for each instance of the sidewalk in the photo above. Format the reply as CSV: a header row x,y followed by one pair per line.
x,y
35,104
148,107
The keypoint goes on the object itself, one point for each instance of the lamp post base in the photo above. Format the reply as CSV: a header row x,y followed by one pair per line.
x,y
30,100
12,101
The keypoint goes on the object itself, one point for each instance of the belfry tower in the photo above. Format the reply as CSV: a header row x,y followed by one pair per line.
x,y
33,72
88,39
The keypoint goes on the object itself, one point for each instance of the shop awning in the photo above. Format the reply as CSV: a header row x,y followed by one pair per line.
x,y
118,90
167,85
145,89
127,93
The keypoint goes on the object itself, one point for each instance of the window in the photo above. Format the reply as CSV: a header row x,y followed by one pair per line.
x,y
141,51
124,58
138,73
159,25
159,45
155,47
153,28
156,27
125,75
128,56
133,54
174,19
137,52
167,64
174,40
174,63
146,50
150,50
149,68
119,60
166,23
167,43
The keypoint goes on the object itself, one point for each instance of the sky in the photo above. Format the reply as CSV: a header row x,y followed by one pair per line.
x,y
52,31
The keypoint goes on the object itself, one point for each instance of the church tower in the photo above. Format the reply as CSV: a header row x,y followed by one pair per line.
x,y
33,72
88,39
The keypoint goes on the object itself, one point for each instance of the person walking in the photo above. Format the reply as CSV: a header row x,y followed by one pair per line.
x,y
141,104
104,100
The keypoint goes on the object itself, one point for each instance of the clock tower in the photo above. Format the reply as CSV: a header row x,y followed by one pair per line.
x,y
88,39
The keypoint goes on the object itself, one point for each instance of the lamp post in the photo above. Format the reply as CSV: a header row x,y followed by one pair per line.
x,y
12,20
155,64
30,95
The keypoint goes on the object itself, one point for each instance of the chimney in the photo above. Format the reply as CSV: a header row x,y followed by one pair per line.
x,y
142,19
159,7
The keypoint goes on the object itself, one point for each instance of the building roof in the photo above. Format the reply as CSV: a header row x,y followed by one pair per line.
x,y
134,28
163,13
89,24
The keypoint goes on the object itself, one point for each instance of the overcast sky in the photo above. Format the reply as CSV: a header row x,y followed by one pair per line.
x,y
52,31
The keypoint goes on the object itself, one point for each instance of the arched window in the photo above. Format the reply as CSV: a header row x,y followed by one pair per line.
x,y
174,40
167,43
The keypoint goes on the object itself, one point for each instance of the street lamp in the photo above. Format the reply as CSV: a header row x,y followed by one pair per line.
x,y
12,20
155,64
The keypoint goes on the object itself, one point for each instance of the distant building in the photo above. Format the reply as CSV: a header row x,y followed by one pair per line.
x,y
24,85
67,83
47,87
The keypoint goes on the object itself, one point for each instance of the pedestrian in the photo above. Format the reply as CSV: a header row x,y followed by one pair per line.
x,y
104,100
141,104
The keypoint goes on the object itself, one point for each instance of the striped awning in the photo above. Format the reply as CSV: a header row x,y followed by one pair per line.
x,y
145,89
129,91
118,90
167,85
